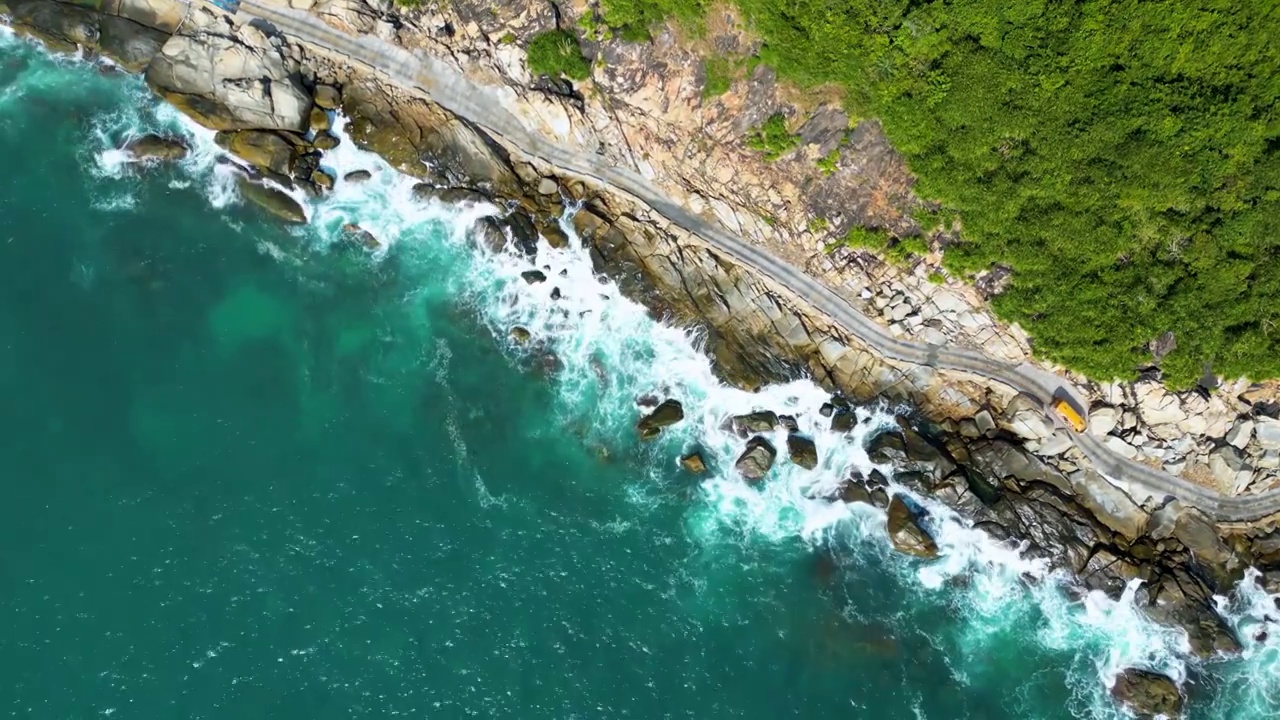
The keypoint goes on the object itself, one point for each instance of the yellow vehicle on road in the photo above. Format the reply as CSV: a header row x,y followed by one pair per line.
x,y
1069,414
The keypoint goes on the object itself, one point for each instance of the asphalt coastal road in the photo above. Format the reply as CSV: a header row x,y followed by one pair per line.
x,y
484,107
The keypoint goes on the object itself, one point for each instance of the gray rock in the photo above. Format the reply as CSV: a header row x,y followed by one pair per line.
x,y
756,460
128,43
534,277
263,149
905,531
1240,433
357,176
325,141
1025,417
984,422
1109,504
1230,469
666,414
1103,420
228,81
1267,433
1148,694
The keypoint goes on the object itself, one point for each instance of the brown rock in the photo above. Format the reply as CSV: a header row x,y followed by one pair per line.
x,y
802,450
1148,694
693,463
755,422
261,148
156,147
319,120
322,179
272,200
327,97
905,531
325,141
520,334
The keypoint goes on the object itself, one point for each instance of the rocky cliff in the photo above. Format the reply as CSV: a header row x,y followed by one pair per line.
x,y
981,447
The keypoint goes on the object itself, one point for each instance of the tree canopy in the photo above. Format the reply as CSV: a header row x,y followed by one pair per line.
x,y
1121,156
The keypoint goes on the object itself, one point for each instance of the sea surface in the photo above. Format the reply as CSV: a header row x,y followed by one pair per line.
x,y
251,471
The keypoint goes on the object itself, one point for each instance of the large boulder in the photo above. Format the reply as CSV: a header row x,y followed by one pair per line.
x,y
227,80
905,531
1109,504
756,460
263,149
754,422
1147,694
907,449
157,147
668,413
272,200
131,45
802,450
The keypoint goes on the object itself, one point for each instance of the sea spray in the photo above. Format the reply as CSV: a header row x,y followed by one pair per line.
x,y
612,351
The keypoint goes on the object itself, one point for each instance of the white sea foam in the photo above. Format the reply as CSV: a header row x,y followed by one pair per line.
x,y
613,351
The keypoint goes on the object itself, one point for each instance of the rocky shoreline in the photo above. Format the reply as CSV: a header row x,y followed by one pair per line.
x,y
990,453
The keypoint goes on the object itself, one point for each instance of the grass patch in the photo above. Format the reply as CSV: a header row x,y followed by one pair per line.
x,y
555,53
829,162
773,138
720,74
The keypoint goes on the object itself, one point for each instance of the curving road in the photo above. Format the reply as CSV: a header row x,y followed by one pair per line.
x,y
483,106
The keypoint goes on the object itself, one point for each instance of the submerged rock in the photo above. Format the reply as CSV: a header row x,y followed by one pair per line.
x,y
533,277
1148,694
272,200
905,531
668,413
843,420
756,461
693,463
157,147
357,234
802,450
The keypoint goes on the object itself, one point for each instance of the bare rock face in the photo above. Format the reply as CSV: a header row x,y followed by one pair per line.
x,y
756,461
906,533
60,26
163,15
230,81
1147,694
130,44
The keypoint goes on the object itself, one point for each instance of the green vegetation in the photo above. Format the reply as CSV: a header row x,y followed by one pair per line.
x,y
634,18
818,224
937,278
773,138
719,72
828,163
507,38
557,52
1122,157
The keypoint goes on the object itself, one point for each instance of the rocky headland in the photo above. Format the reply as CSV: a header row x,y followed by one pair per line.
x,y
998,456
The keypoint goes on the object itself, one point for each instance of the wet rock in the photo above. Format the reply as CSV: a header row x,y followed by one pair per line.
x,y
555,293
357,176
305,166
523,233
157,147
322,179
533,277
272,200
1147,694
997,460
693,462
519,334
325,141
754,422
788,423
909,450
843,420
1109,504
668,413
62,27
264,149
550,229
647,401
827,410
327,97
802,450
853,491
360,236
449,196
756,460
320,120
905,531
130,44
1207,634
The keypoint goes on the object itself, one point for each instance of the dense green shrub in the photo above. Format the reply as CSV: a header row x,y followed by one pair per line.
x,y
1122,156
773,138
557,52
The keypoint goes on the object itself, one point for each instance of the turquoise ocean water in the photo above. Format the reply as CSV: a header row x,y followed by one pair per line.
x,y
250,472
